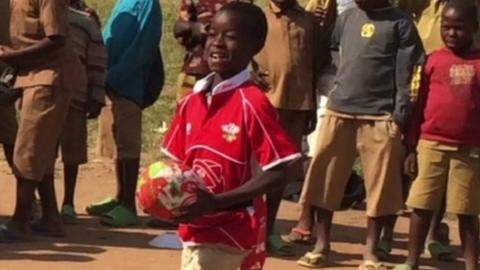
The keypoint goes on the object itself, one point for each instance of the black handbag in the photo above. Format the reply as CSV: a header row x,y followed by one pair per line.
x,y
8,95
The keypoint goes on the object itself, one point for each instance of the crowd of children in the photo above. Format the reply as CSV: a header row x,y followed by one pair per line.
x,y
394,84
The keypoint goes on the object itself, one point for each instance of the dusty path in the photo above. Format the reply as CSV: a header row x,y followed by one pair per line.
x,y
90,246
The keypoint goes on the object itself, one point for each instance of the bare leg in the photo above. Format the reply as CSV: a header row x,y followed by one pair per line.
x,y
70,180
130,178
469,234
419,225
51,223
324,226
8,151
374,229
20,221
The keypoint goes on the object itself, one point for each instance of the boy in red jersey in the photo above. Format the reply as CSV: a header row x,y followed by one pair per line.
x,y
217,130
446,136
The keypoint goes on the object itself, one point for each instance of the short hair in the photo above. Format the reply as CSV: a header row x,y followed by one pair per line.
x,y
467,8
252,17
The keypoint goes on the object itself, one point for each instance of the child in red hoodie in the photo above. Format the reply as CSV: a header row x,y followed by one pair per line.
x,y
446,135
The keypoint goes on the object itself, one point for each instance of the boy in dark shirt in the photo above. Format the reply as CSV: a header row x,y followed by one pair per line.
x,y
379,51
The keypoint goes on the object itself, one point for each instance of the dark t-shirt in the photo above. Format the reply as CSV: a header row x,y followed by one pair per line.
x,y
379,51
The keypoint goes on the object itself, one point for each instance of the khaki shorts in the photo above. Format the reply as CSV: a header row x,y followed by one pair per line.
x,y
42,114
212,257
120,129
73,140
377,142
185,85
293,122
454,174
8,125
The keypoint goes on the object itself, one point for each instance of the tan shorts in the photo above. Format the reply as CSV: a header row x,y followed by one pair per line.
x,y
454,174
73,140
8,125
185,85
212,257
378,143
120,129
293,122
42,114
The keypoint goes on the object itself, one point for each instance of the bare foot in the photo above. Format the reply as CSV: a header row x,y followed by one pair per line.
x,y
48,228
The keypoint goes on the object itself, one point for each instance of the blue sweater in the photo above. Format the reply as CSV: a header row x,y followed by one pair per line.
x,y
132,36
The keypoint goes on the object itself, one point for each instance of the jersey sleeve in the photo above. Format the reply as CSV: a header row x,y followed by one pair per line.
x,y
270,144
173,144
53,16
413,130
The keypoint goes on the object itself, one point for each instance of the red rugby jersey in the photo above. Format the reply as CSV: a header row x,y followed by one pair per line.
x,y
448,109
219,141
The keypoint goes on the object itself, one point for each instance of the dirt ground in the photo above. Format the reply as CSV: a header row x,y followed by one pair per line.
x,y
93,247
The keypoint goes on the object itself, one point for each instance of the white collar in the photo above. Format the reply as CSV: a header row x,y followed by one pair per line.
x,y
224,86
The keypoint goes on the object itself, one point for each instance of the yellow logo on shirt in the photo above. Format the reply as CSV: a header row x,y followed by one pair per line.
x,y
462,74
368,30
230,132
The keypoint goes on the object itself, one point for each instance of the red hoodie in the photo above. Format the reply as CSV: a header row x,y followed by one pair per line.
x,y
448,109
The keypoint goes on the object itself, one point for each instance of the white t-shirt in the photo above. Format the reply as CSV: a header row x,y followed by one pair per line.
x,y
343,5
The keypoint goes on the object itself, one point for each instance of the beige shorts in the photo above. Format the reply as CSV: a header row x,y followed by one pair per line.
x,y
293,122
120,129
42,114
73,140
8,125
212,257
454,174
185,85
340,141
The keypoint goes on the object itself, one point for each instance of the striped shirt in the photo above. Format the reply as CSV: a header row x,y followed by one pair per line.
x,y
88,45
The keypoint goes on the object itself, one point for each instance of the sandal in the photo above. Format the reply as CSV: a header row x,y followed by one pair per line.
x,y
101,208
313,260
69,216
404,267
383,250
439,251
277,247
120,216
299,236
371,265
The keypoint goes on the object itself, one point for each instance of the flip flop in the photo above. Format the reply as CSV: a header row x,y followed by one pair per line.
x,y
69,216
371,265
277,247
383,250
299,236
101,208
120,216
437,250
404,267
313,260
7,235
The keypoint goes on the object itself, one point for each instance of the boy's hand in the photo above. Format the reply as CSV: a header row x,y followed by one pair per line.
x,y
205,204
411,165
311,123
93,109
4,51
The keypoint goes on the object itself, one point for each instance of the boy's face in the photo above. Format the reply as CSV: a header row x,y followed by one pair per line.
x,y
229,47
457,32
284,4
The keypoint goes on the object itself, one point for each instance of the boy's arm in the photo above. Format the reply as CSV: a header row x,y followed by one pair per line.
x,y
266,182
409,61
53,19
